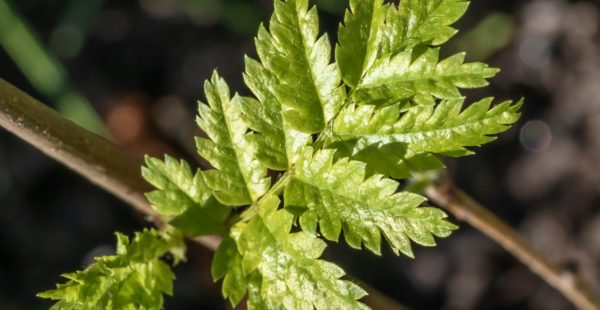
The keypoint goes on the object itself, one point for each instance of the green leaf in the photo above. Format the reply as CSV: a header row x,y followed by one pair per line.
x,y
134,278
420,76
309,86
336,196
386,158
282,269
359,38
421,22
390,159
201,220
238,178
185,196
275,141
177,188
227,265
441,129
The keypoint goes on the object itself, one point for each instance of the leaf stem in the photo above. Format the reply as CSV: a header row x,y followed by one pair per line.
x,y
323,138
280,185
275,190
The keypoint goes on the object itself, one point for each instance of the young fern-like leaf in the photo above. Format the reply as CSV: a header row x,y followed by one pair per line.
x,y
309,88
276,142
420,76
238,178
134,278
417,22
336,196
359,39
282,269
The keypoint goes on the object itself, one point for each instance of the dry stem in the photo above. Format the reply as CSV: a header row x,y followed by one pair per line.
x,y
92,156
446,195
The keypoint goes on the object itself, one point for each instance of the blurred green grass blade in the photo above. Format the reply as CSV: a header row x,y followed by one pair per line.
x,y
493,33
68,36
43,71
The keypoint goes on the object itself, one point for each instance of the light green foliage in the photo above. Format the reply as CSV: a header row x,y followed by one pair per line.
x,y
420,76
282,269
336,196
276,142
185,196
359,39
134,278
309,86
419,131
338,134
238,177
421,22
177,188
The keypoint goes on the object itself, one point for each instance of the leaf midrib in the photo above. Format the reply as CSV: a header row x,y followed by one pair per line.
x,y
306,52
434,77
413,131
233,146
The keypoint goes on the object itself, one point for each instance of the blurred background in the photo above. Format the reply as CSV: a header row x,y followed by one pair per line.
x,y
133,70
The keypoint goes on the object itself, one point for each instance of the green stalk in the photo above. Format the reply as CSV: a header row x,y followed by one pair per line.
x,y
44,72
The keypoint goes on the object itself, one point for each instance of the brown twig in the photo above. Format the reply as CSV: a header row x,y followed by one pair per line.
x,y
73,146
97,159
446,195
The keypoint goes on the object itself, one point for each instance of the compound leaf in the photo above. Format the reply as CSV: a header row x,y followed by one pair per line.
x,y
341,131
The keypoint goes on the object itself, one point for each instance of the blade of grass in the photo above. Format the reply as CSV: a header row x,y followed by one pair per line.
x,y
44,72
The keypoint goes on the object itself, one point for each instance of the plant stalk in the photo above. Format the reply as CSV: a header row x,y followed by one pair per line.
x,y
446,195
